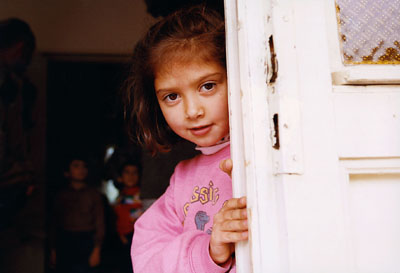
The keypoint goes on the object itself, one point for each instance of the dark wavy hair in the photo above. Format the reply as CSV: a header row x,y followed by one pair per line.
x,y
193,33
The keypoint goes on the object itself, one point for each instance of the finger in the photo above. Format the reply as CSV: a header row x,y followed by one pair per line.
x,y
234,226
235,203
230,216
233,237
236,214
226,166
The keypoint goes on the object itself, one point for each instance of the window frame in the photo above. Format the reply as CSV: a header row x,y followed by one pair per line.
x,y
357,74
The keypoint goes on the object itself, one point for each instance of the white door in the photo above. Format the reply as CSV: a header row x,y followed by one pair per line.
x,y
315,124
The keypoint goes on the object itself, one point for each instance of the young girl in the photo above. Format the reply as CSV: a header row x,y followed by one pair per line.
x,y
178,88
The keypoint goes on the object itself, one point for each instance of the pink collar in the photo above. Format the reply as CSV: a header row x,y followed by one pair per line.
x,y
215,148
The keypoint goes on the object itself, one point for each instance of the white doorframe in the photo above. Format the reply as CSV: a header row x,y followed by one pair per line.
x,y
248,27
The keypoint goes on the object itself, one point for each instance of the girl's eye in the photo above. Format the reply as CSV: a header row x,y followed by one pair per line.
x,y
171,97
208,86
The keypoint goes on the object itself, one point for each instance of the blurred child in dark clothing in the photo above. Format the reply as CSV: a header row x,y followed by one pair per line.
x,y
77,229
128,208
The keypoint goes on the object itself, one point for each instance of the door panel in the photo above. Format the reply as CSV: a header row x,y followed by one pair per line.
x,y
367,121
374,206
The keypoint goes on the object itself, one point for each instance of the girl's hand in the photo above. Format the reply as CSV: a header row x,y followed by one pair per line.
x,y
226,166
229,227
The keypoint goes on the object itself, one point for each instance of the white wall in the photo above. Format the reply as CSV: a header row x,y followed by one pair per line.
x,y
82,26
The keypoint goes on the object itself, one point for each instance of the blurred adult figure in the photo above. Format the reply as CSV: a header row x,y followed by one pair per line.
x,y
17,97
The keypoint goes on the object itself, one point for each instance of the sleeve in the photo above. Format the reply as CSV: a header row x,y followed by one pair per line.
x,y
160,245
99,220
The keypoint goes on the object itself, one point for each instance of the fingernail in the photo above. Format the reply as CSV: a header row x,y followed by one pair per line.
x,y
226,164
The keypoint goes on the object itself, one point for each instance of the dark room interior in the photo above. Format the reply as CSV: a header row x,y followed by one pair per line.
x,y
78,110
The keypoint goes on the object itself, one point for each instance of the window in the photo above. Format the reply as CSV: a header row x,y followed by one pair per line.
x,y
368,48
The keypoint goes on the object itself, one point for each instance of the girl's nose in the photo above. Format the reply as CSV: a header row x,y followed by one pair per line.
x,y
194,109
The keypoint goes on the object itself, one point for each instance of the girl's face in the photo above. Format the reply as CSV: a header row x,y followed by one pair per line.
x,y
194,101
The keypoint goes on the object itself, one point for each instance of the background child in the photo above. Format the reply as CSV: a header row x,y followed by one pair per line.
x,y
77,228
128,208
178,89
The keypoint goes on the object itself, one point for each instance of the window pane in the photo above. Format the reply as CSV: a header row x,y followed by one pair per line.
x,y
369,31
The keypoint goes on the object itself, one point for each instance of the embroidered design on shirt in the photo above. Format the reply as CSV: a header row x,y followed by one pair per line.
x,y
203,195
201,219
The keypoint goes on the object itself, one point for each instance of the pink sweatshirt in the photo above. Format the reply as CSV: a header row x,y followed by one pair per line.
x,y
173,235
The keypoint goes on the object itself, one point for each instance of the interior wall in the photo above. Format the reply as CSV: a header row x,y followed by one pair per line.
x,y
82,26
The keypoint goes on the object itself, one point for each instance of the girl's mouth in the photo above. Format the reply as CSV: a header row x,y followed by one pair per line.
x,y
201,130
